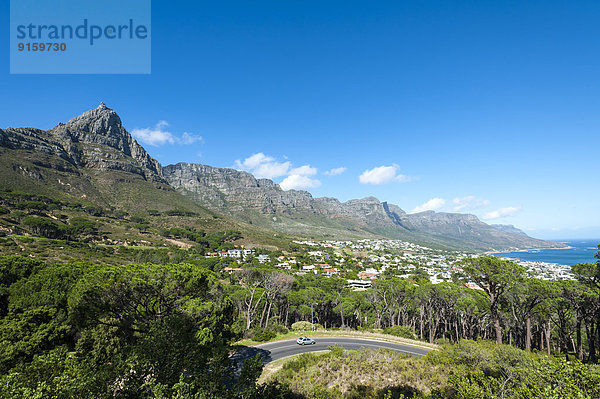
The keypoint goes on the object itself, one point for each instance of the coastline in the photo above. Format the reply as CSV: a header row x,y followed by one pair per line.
x,y
574,251
525,250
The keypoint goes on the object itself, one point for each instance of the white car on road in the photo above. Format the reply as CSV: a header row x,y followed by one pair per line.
x,y
305,341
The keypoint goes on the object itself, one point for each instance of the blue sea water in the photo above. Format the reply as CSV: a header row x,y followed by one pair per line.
x,y
581,251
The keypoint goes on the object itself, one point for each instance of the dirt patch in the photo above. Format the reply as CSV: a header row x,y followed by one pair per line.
x,y
180,244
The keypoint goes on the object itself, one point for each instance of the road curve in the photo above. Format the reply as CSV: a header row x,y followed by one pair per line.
x,y
272,351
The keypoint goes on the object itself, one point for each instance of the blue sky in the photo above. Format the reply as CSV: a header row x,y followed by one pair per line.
x,y
489,108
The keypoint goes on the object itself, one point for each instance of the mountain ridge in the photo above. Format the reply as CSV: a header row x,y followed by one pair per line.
x,y
233,191
96,148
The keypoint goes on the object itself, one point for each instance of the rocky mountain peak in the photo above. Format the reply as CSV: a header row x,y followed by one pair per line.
x,y
101,120
95,139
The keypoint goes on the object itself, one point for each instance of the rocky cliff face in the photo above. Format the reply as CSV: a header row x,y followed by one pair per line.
x,y
233,190
95,139
237,191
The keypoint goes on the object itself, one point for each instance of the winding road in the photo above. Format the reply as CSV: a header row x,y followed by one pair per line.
x,y
272,351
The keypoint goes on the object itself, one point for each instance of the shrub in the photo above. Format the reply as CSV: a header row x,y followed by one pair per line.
x,y
138,219
33,205
336,351
79,225
301,362
3,211
120,214
278,328
302,326
263,334
180,212
400,331
492,359
18,215
94,210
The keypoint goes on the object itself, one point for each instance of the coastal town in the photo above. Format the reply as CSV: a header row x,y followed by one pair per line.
x,y
361,262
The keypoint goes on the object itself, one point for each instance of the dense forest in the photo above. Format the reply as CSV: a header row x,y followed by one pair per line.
x,y
507,305
84,330
166,330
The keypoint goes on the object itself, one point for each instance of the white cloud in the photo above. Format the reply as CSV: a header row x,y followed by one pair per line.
x,y
469,202
253,161
502,212
299,182
263,166
158,135
188,138
270,170
267,167
300,179
154,136
304,170
432,205
335,171
382,175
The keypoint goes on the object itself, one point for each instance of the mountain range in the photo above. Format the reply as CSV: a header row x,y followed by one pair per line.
x,y
93,157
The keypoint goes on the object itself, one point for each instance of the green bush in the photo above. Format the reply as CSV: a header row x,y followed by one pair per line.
x,y
262,334
18,215
278,328
3,211
301,362
32,205
80,225
94,210
180,212
302,326
138,219
120,214
400,331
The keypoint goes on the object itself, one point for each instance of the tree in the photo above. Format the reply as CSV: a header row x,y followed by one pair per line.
x,y
275,284
251,280
589,274
161,321
525,300
13,269
494,276
44,227
338,288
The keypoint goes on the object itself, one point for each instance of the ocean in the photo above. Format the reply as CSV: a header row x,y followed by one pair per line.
x,y
581,251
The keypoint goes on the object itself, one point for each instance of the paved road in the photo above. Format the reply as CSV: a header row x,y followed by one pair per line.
x,y
277,350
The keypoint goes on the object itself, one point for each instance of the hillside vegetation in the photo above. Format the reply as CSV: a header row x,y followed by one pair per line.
x,y
464,370
81,329
69,229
